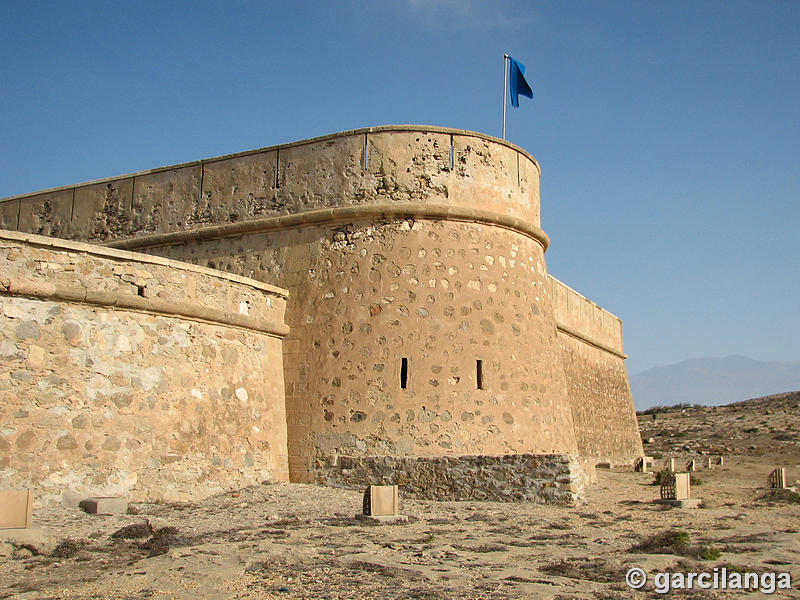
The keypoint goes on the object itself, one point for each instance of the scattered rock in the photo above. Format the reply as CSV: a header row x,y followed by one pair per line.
x,y
22,553
6,549
157,524
35,540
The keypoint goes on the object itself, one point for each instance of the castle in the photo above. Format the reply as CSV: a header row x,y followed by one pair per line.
x,y
367,306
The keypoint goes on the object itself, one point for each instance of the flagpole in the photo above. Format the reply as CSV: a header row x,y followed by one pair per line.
x,y
505,91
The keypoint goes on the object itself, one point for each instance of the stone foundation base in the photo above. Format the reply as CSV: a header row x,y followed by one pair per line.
x,y
685,503
543,478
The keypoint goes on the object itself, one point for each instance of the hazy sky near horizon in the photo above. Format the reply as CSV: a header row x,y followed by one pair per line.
x,y
668,132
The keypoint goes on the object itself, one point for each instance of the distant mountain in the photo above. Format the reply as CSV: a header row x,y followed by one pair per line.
x,y
713,381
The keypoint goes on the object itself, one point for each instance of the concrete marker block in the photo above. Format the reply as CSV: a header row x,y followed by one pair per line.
x,y
16,508
105,505
682,486
381,503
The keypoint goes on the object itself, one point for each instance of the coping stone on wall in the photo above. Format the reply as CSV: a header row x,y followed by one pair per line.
x,y
125,255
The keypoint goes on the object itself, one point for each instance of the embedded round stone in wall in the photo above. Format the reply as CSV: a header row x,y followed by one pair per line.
x,y
28,330
9,350
81,422
121,400
508,418
72,333
229,356
66,442
112,444
26,440
358,416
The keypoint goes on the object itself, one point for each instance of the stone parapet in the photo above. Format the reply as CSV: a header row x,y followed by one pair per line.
x,y
377,165
579,317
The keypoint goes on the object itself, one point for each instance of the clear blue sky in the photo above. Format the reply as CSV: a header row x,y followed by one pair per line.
x,y
668,132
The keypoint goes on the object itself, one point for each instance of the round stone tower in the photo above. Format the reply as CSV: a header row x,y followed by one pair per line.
x,y
423,317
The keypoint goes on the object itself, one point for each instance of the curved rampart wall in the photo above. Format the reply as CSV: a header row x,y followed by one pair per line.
x,y
123,373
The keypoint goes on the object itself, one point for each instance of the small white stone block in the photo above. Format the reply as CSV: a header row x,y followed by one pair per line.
x,y
105,505
683,486
381,501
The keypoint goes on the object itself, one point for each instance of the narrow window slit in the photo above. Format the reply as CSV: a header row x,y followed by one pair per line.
x,y
366,153
404,374
479,374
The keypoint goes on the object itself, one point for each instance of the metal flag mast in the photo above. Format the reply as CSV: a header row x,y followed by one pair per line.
x,y
505,90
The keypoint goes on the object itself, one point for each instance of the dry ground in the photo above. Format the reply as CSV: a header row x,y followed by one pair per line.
x,y
302,541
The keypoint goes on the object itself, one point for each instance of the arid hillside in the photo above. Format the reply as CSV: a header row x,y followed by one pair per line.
x,y
757,427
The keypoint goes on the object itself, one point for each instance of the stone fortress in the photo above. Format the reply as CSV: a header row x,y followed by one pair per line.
x,y
366,307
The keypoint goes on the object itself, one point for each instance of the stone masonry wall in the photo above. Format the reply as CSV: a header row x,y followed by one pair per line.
x,y
442,296
130,374
549,479
407,249
602,405
597,380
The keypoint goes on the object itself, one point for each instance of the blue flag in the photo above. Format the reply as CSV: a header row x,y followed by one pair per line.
x,y
516,75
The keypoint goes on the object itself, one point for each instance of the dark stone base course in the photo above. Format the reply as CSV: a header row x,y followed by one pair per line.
x,y
542,478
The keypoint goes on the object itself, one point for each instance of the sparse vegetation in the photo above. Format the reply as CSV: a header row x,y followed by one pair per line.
x,y
132,532
709,553
661,476
161,541
590,569
67,548
781,496
672,541
675,541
